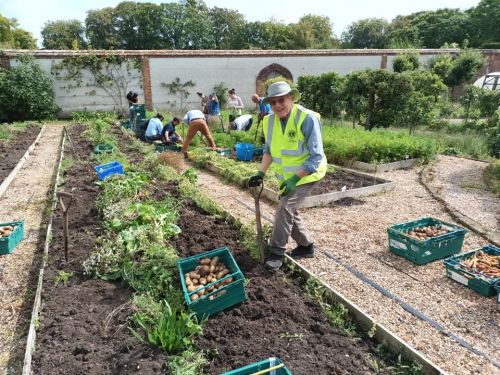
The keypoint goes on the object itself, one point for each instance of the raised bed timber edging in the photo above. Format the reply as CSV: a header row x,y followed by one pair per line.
x,y
374,168
30,342
382,334
5,184
319,200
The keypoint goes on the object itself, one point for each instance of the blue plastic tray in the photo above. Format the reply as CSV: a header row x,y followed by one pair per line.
x,y
109,169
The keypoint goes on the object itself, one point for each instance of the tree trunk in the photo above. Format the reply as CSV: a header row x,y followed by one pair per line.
x,y
369,116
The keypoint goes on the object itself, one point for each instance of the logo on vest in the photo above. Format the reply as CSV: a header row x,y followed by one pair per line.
x,y
292,134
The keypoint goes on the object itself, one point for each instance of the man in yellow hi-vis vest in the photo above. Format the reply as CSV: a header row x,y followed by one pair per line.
x,y
294,145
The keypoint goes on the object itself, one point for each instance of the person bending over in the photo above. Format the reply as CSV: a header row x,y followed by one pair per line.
x,y
196,121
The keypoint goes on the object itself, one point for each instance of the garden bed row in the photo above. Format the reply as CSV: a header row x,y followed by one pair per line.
x,y
15,151
84,321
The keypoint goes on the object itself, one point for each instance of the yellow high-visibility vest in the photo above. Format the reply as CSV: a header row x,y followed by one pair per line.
x,y
288,149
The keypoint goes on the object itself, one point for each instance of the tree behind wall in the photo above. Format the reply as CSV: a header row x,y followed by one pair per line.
x,y
26,93
68,34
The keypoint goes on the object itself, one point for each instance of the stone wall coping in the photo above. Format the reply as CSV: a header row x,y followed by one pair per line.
x,y
228,53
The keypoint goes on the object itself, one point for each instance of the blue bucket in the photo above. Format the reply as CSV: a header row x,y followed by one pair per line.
x,y
244,151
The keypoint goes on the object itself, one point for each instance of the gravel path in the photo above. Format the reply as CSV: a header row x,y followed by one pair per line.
x,y
24,199
357,235
460,183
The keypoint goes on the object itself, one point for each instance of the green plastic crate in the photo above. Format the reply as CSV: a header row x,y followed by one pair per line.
x,y
497,287
126,124
104,148
7,244
422,252
477,281
261,366
227,296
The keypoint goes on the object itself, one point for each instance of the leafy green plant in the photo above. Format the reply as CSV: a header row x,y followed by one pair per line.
x,y
167,329
492,176
191,175
27,92
63,277
89,116
176,87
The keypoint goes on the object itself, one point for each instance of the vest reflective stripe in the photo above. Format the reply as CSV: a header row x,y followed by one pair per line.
x,y
277,160
289,151
290,169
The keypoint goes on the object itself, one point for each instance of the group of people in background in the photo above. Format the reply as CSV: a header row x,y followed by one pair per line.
x,y
292,143
154,130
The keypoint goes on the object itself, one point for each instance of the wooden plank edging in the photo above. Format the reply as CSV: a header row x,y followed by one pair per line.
x,y
30,342
13,173
318,200
374,168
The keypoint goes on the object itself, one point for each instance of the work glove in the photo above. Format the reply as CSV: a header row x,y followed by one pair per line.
x,y
256,179
289,185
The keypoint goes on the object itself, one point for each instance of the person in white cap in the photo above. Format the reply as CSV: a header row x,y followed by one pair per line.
x,y
293,143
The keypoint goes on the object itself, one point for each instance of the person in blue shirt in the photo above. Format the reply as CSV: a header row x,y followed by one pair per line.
x,y
264,108
155,127
169,135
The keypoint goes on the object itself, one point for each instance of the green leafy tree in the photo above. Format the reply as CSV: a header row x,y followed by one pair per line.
x,y
484,19
174,25
267,35
312,32
456,70
13,37
100,29
228,27
406,62
26,93
198,31
366,33
323,93
64,35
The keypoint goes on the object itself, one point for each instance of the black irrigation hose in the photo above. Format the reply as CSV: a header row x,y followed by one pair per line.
x,y
410,308
403,304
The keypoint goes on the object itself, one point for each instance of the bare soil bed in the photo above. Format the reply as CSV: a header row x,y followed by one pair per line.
x,y
12,151
83,325
337,180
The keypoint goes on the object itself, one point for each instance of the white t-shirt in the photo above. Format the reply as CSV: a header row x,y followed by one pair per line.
x,y
242,121
193,115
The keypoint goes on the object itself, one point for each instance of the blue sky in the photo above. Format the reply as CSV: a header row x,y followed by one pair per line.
x,y
32,15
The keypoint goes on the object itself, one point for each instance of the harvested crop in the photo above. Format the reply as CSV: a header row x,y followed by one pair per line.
x,y
207,277
423,233
482,264
6,230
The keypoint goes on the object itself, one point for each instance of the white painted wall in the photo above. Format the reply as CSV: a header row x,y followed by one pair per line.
x,y
239,72
72,99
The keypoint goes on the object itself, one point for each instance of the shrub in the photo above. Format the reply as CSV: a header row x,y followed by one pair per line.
x,y
493,141
492,176
405,61
26,93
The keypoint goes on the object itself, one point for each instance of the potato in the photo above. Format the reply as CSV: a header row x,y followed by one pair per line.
x,y
211,269
215,261
195,281
191,288
188,281
204,270
203,281
194,297
220,275
205,261
211,288
201,292
209,278
229,280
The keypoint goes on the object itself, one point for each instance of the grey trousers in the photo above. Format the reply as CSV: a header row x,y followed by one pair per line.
x,y
287,221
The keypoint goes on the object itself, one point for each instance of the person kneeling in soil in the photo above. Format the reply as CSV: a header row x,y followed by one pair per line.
x,y
155,127
243,122
293,142
169,135
196,121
